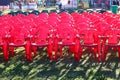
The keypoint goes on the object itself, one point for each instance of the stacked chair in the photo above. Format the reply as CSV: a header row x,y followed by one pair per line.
x,y
94,31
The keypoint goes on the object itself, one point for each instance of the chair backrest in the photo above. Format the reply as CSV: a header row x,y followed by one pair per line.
x,y
102,27
81,26
43,33
54,19
54,14
117,25
113,36
18,35
66,33
3,34
89,36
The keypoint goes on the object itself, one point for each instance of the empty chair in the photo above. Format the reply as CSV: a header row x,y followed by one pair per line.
x,y
42,38
111,40
4,43
17,39
90,39
66,36
54,14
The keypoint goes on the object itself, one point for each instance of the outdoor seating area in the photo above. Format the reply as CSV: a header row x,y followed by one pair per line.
x,y
59,40
95,31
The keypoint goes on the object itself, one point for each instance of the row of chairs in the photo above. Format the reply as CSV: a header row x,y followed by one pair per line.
x,y
95,31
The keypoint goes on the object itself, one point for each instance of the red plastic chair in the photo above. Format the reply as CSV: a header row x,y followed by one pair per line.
x,y
4,44
54,14
66,18
90,39
17,39
64,13
85,14
53,19
66,36
111,39
102,27
43,38
75,14
81,19
81,26
43,16
109,19
117,25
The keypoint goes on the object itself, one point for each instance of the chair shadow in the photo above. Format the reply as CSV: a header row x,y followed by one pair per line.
x,y
65,68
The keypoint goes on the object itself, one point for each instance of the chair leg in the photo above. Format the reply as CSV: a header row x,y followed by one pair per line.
x,y
76,53
49,48
55,49
115,49
56,52
119,52
95,51
61,54
90,48
99,52
5,51
71,49
104,50
12,51
34,50
81,51
28,51
104,53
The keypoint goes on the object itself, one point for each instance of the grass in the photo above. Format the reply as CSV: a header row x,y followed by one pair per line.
x,y
65,68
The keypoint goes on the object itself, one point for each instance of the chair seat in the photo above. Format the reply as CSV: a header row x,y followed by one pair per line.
x,y
89,45
113,45
1,44
16,45
66,44
35,44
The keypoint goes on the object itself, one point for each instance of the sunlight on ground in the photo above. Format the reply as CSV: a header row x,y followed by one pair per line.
x,y
66,68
